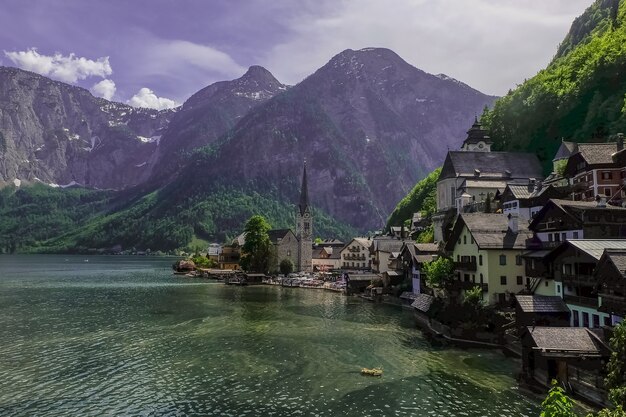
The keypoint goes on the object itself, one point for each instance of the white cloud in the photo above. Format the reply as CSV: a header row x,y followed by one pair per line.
x,y
146,98
68,68
490,44
166,57
105,89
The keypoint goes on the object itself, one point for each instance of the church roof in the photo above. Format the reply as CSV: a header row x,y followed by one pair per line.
x,y
304,192
277,234
495,165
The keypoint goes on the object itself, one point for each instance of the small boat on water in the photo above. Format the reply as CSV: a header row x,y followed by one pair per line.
x,y
372,372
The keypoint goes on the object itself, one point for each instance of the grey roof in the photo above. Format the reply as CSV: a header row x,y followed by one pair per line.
x,y
541,304
277,234
426,247
618,257
595,247
565,150
566,339
388,245
597,153
494,164
486,183
491,231
422,302
304,192
583,204
520,192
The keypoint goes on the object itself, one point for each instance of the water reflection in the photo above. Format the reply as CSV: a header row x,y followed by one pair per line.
x,y
124,337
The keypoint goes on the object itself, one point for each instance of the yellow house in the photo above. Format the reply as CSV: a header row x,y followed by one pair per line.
x,y
487,251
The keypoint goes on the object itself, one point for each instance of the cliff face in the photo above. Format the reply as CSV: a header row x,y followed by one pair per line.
x,y
60,134
369,125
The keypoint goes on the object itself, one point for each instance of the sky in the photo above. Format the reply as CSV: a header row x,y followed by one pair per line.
x,y
156,53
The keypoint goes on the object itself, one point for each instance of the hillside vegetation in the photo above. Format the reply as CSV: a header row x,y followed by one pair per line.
x,y
580,96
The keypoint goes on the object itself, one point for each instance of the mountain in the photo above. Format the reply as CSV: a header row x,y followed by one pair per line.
x,y
579,96
368,124
60,134
210,113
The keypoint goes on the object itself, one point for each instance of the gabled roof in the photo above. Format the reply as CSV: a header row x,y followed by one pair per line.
x,y
572,209
490,231
422,302
596,247
491,164
565,150
278,234
363,241
426,247
579,340
597,153
387,245
541,304
618,258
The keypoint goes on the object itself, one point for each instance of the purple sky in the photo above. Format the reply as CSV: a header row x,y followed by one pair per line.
x,y
162,51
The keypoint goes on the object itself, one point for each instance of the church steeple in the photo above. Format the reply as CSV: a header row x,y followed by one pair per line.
x,y
477,138
304,192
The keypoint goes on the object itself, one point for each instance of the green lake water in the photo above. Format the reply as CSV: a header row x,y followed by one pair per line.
x,y
121,336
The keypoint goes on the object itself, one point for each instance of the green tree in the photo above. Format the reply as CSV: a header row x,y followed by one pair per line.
x,y
256,250
616,368
286,266
488,203
473,299
560,167
438,272
557,404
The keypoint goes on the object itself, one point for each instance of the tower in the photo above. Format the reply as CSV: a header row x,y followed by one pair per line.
x,y
304,228
477,139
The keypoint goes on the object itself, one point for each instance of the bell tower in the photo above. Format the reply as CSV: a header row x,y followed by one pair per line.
x,y
304,228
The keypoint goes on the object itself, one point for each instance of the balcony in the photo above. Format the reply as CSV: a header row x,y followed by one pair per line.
x,y
537,272
466,265
576,280
354,249
536,244
581,301
613,304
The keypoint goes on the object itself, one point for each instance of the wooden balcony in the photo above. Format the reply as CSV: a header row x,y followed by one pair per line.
x,y
468,285
465,265
613,304
576,280
581,301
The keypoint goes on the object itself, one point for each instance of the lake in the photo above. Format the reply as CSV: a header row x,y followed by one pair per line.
x,y
114,336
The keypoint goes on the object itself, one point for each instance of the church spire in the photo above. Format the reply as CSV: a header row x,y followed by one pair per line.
x,y
304,192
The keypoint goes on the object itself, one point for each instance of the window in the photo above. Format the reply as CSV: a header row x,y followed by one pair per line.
x,y
465,240
558,289
606,321
567,269
576,318
520,280
585,319
474,278
480,260
502,259
518,259
466,277
481,278
607,192
575,234
557,237
503,280
563,236
549,237
607,175
596,320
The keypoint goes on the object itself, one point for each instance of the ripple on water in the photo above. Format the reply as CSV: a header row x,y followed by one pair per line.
x,y
135,341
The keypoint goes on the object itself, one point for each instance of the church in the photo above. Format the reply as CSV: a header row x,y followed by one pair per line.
x,y
298,247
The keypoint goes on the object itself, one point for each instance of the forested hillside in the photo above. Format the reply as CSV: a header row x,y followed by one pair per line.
x,y
580,96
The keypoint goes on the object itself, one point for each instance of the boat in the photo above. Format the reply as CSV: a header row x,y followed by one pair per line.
x,y
372,372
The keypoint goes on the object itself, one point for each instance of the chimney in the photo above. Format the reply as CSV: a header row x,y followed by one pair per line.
x,y
531,184
513,222
620,141
600,200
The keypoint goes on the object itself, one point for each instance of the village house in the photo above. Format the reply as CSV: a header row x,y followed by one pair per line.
x,y
326,258
540,310
413,256
610,274
565,219
230,256
593,171
575,280
469,176
213,252
487,252
356,254
527,200
381,249
556,177
573,356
